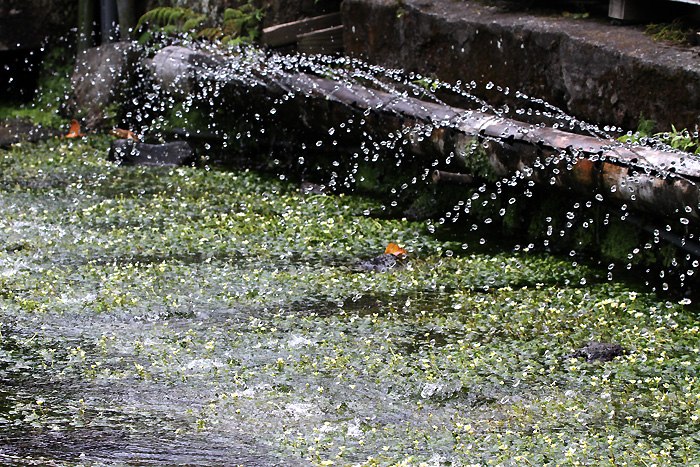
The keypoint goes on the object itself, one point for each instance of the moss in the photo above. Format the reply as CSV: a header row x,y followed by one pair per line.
x,y
163,25
367,179
477,162
619,240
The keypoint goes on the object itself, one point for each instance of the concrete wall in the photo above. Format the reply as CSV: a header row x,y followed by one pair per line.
x,y
597,72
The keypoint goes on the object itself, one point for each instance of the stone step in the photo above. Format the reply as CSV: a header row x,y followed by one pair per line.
x,y
288,33
598,72
323,41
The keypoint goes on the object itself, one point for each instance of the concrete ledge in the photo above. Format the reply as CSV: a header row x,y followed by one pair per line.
x,y
597,72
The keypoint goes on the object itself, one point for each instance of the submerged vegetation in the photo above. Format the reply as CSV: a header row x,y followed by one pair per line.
x,y
217,318
160,316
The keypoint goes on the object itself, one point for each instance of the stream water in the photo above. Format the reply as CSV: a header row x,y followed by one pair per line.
x,y
195,316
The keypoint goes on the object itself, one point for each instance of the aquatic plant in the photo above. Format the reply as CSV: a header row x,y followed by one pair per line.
x,y
194,308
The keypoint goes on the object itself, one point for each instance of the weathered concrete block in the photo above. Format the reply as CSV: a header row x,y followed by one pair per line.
x,y
129,152
600,73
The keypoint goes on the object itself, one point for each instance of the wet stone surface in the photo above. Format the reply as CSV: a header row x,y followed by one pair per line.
x,y
601,73
381,263
600,351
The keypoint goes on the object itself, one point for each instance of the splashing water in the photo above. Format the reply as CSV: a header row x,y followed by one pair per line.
x,y
183,316
362,127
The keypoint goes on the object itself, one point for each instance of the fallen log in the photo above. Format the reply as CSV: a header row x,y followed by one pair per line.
x,y
645,179
440,176
324,41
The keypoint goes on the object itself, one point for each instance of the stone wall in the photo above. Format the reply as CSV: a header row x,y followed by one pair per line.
x,y
597,72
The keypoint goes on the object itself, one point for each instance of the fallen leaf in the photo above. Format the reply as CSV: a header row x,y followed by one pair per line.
x,y
395,250
74,131
124,134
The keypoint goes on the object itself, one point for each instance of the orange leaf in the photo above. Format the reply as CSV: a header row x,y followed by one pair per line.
x,y
74,130
125,134
394,249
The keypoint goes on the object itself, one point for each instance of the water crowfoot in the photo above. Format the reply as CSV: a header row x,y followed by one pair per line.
x,y
210,317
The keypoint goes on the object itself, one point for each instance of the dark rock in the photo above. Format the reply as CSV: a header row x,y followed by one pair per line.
x,y
22,129
129,152
381,263
309,188
101,75
601,351
19,73
600,73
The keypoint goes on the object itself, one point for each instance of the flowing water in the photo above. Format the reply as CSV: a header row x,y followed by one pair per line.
x,y
195,316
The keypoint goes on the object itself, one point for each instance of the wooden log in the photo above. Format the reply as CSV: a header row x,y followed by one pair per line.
x,y
660,182
287,33
440,176
86,24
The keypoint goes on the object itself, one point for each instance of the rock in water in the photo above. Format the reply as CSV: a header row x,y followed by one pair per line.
x,y
381,263
309,188
601,351
15,130
129,152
